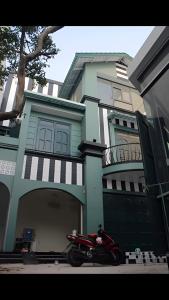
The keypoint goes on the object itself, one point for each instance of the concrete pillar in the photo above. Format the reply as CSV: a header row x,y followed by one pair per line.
x,y
92,151
9,240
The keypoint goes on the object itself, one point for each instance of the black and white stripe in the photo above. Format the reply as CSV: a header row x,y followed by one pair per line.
x,y
125,123
8,96
121,71
143,257
52,170
104,126
122,185
104,129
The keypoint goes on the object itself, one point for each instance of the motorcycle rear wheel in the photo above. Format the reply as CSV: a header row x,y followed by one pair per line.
x,y
73,258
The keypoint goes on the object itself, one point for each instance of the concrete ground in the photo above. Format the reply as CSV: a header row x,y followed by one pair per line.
x,y
160,268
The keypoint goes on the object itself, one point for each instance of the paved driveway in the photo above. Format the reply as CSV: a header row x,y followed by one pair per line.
x,y
159,268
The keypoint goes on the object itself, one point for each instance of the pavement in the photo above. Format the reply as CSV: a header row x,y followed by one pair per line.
x,y
56,268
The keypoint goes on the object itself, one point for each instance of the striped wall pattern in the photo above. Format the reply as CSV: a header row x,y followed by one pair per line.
x,y
122,185
125,123
52,170
8,96
143,257
121,71
104,130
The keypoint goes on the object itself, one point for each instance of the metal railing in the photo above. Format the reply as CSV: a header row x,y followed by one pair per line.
x,y
122,153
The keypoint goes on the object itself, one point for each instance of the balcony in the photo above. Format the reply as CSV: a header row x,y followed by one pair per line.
x,y
52,168
123,153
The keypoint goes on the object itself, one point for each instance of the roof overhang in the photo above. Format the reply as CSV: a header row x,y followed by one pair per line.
x,y
147,54
78,65
55,102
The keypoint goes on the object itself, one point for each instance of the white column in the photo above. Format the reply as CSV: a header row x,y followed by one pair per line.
x,y
57,171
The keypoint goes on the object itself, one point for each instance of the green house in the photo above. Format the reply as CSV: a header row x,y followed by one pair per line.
x,y
74,162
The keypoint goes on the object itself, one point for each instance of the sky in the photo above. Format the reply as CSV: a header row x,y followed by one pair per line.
x,y
72,39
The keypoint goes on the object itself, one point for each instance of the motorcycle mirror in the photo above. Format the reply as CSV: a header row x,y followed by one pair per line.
x,y
100,226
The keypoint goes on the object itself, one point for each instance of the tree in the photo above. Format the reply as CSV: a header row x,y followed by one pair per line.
x,y
26,50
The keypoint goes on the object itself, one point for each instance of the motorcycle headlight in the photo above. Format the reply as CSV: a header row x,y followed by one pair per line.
x,y
74,232
99,240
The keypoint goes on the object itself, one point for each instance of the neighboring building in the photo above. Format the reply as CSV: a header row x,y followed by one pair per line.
x,y
75,162
149,72
7,98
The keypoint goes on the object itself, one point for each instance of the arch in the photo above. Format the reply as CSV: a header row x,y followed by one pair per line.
x,y
27,187
51,214
4,206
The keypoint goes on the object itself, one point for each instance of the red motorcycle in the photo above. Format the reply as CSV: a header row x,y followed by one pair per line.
x,y
98,248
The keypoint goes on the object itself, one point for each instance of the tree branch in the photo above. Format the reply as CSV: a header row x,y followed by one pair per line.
x,y
22,40
48,53
42,36
8,115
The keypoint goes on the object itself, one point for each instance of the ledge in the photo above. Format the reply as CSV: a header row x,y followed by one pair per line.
x,y
92,148
89,98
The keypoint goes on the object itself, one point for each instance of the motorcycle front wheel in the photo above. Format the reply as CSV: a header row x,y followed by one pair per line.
x,y
118,259
73,258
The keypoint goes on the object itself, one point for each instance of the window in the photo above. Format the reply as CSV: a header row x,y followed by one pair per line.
x,y
117,121
126,96
105,92
123,185
125,123
112,93
125,138
117,94
132,125
53,137
140,187
114,184
132,187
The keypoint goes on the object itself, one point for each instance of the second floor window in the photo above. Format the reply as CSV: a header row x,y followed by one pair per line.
x,y
53,137
112,93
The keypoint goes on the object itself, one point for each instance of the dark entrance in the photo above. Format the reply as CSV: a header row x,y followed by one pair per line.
x,y
135,222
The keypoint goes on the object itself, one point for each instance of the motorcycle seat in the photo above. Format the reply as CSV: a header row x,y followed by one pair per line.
x,y
92,235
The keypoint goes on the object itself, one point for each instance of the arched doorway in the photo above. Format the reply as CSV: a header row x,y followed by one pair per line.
x,y
4,205
51,214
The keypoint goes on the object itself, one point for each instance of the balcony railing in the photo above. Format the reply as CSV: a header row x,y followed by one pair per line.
x,y
122,153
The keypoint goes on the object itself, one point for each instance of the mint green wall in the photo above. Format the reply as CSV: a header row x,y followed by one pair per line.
x,y
7,180
123,167
9,140
89,80
75,139
112,134
9,239
92,123
28,185
83,128
93,211
8,154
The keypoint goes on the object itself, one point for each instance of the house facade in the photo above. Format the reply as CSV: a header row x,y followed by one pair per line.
x,y
7,94
75,162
